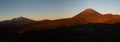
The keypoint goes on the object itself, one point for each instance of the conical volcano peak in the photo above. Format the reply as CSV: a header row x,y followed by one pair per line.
x,y
88,12
89,8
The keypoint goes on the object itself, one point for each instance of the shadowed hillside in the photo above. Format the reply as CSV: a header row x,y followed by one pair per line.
x,y
78,33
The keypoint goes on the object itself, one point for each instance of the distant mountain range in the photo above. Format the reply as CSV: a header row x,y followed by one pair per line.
x,y
85,17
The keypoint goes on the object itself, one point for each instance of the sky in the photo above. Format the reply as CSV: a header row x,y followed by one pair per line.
x,y
54,9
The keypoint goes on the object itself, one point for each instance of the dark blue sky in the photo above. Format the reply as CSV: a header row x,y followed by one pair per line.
x,y
53,9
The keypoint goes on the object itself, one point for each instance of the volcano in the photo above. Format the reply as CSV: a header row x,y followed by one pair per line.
x,y
92,16
88,13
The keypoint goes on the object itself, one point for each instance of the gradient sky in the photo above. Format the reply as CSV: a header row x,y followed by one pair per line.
x,y
54,9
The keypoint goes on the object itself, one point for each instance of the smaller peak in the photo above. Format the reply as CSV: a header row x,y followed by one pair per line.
x,y
21,17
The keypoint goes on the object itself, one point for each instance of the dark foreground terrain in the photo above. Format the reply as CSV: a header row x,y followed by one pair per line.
x,y
78,33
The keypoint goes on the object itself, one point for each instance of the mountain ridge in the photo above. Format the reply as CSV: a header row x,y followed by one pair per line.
x,y
85,17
